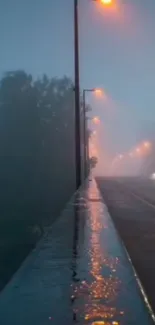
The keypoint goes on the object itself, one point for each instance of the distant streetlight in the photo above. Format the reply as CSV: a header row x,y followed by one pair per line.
x,y
96,120
98,92
147,144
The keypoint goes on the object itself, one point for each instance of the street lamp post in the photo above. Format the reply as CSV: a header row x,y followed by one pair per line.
x,y
86,145
77,94
77,98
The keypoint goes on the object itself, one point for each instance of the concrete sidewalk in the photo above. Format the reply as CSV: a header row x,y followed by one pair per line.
x,y
79,273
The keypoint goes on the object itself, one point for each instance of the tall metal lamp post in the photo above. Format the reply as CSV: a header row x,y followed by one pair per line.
x,y
77,99
77,93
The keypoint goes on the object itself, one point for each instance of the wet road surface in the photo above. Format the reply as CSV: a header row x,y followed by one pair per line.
x,y
131,203
78,274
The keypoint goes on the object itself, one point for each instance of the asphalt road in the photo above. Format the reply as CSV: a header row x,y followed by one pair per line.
x,y
131,203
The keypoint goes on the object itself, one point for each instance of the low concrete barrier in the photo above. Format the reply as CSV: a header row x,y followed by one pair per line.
x,y
79,272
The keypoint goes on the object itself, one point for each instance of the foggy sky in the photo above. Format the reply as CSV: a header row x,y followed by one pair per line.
x,y
117,52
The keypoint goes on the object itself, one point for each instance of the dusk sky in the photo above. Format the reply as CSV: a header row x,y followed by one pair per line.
x,y
117,53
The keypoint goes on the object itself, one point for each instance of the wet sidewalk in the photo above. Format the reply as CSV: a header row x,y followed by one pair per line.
x,y
78,274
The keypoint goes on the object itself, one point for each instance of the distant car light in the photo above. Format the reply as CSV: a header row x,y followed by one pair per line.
x,y
152,176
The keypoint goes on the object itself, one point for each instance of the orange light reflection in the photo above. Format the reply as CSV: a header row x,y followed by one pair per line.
x,y
96,297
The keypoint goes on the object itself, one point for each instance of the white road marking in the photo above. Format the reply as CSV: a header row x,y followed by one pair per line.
x,y
143,200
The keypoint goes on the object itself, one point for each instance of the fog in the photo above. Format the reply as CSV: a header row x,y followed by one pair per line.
x,y
37,142
138,160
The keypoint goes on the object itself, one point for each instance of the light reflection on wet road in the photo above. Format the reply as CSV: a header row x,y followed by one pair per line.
x,y
93,297
105,290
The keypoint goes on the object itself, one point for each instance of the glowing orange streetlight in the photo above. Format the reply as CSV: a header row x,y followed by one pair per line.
x,y
96,119
147,144
106,2
98,91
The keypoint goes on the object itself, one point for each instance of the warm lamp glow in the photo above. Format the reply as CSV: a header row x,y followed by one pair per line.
x,y
98,91
96,120
106,2
147,144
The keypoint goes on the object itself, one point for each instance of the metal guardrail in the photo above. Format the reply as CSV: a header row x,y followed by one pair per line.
x,y
79,273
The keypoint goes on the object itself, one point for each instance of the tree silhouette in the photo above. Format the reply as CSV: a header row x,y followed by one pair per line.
x,y
37,174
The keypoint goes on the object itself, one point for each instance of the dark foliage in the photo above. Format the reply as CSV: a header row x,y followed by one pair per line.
x,y
37,168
